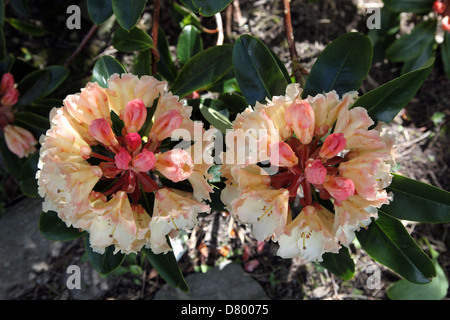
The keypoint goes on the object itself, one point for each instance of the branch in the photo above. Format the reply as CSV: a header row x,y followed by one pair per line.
x,y
82,44
155,27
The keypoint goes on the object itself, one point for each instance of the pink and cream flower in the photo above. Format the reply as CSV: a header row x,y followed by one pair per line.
x,y
323,148
107,150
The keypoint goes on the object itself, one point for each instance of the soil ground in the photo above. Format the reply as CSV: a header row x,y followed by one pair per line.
x,y
422,155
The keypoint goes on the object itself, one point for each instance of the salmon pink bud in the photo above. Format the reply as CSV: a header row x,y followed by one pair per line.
x,y
134,115
175,164
101,130
281,155
134,141
339,188
332,145
439,7
7,83
446,23
19,141
165,124
300,116
315,172
144,161
10,98
122,158
109,169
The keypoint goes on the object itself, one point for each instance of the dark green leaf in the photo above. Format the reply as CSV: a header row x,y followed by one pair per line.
x,y
341,264
7,63
128,12
445,51
106,262
281,66
32,86
21,7
383,37
143,63
133,40
53,228
165,65
386,101
411,45
342,65
189,43
167,267
12,163
203,70
46,103
257,71
414,6
104,68
210,109
418,201
235,102
57,76
2,13
27,28
209,8
190,5
99,10
27,176
3,49
387,241
32,120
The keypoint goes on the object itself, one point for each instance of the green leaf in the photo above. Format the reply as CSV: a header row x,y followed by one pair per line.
x,y
143,63
189,43
21,7
210,110
383,37
411,45
435,290
2,13
167,267
27,28
385,102
387,241
128,12
165,65
28,183
417,201
257,71
3,49
342,66
32,86
414,6
104,68
133,40
235,102
445,51
7,63
420,60
203,70
12,163
99,10
106,262
341,264
32,120
53,228
209,8
57,76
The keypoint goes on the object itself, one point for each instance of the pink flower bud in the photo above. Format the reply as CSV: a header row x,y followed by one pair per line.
x,y
134,115
175,164
339,188
300,116
122,158
281,155
101,130
19,141
144,161
165,124
7,83
134,141
439,7
315,172
10,98
332,145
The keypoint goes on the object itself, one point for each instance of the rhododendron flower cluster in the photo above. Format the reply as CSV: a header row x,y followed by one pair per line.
x,y
107,149
319,148
442,8
20,141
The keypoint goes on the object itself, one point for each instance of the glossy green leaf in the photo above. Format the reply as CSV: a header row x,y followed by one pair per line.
x,y
414,6
165,65
133,40
189,43
257,72
32,120
99,10
209,8
143,63
104,68
203,70
106,262
445,51
190,5
420,60
341,264
342,66
235,102
167,267
210,109
27,177
418,201
53,228
128,12
411,45
27,28
386,101
32,86
387,241
435,290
